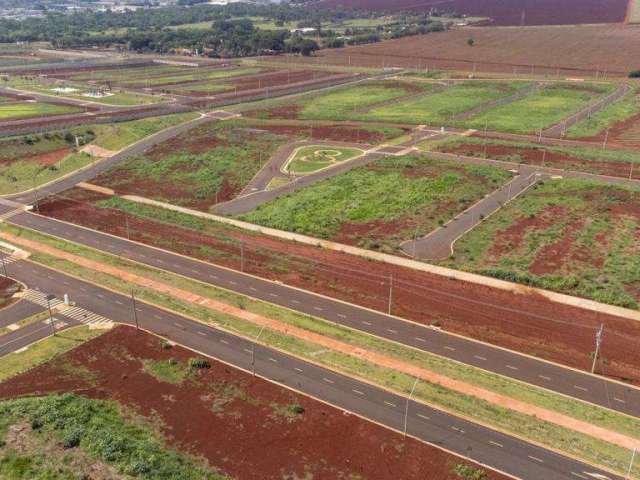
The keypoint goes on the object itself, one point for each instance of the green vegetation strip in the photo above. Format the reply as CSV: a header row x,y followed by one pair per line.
x,y
15,111
619,111
44,350
582,446
99,429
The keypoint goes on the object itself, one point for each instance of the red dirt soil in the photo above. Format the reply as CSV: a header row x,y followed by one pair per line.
x,y
522,322
625,133
534,156
567,51
8,288
231,418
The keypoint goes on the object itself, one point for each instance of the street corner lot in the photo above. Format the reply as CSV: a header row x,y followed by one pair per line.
x,y
383,203
312,158
227,413
575,236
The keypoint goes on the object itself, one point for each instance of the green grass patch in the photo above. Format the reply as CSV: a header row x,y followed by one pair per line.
x,y
44,350
22,175
315,157
585,447
619,111
192,75
115,136
394,196
103,432
168,371
16,111
541,109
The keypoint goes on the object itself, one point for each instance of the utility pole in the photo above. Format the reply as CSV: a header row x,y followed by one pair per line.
x,y
253,352
631,170
606,137
242,256
390,292
633,457
126,222
53,328
4,265
406,409
135,313
598,343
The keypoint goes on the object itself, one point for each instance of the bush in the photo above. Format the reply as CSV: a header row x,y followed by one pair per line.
x,y
199,363
634,74
72,438
297,409
165,345
469,473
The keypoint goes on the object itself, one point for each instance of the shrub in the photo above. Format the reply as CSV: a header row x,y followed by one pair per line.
x,y
297,409
165,345
634,74
199,363
72,438
469,473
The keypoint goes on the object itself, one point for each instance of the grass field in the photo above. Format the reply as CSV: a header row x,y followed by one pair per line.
x,y
128,73
524,425
68,436
634,12
22,175
619,111
15,111
572,236
45,350
539,110
191,75
382,204
114,136
315,157
212,164
118,98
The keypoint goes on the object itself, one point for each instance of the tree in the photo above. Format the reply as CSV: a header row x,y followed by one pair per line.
x,y
471,42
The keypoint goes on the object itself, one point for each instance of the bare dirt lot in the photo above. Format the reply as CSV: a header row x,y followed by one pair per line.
x,y
230,418
568,50
526,323
536,12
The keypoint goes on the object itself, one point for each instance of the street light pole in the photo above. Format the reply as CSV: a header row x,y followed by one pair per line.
x,y
598,343
4,265
253,352
390,292
406,410
53,328
633,457
135,313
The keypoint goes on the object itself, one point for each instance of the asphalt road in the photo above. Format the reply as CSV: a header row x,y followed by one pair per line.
x,y
513,456
439,243
563,380
104,165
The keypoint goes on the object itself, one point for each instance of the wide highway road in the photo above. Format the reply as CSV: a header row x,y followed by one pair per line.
x,y
594,389
510,455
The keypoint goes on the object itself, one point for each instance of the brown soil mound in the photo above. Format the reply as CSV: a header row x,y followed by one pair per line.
x,y
8,288
231,419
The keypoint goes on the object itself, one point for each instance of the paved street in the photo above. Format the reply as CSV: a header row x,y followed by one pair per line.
x,y
513,456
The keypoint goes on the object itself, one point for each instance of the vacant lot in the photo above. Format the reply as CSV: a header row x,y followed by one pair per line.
x,y
382,204
514,12
617,163
20,110
539,110
231,414
616,117
212,164
572,236
313,158
567,50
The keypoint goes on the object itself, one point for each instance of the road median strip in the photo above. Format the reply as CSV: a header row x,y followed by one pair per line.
x,y
334,347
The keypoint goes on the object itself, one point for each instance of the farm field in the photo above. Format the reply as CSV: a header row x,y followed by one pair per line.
x,y
545,12
539,110
567,51
572,236
189,76
22,110
380,205
617,163
478,312
312,158
236,413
